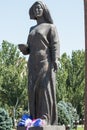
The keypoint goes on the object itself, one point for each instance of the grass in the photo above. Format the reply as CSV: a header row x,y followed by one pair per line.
x,y
79,128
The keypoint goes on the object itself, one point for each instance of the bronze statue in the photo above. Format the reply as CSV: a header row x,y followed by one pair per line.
x,y
43,49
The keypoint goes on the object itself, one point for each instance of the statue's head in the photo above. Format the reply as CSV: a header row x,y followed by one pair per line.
x,y
39,9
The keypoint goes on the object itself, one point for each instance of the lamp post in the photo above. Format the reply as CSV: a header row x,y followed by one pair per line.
x,y
85,17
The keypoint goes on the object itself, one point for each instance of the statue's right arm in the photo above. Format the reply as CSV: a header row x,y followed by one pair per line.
x,y
24,49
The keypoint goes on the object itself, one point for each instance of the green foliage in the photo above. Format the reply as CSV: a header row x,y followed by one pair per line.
x,y
66,114
13,78
9,53
5,120
62,77
13,82
71,80
13,75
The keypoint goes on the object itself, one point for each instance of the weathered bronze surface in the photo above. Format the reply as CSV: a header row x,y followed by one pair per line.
x,y
43,49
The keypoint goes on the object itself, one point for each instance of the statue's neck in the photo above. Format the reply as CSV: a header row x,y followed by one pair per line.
x,y
40,20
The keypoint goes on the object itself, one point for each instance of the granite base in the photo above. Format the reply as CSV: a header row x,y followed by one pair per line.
x,y
50,127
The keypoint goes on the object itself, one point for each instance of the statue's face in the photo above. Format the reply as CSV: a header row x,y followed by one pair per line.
x,y
38,11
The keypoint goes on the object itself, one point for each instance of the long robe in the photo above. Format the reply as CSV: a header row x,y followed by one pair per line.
x,y
43,47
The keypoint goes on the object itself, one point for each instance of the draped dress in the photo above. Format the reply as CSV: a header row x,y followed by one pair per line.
x,y
43,44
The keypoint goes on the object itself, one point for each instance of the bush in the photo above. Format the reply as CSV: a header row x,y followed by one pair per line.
x,y
5,120
67,114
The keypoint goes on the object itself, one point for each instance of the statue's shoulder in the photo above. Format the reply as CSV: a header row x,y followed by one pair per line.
x,y
31,28
52,26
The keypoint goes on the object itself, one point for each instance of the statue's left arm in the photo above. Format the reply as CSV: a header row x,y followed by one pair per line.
x,y
54,47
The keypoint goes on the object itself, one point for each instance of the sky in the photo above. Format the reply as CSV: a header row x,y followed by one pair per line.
x,y
68,16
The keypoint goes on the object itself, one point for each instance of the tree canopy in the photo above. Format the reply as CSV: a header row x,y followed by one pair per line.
x,y
71,79
13,80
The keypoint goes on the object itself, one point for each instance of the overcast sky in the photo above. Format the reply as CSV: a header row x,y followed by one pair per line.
x,y
68,16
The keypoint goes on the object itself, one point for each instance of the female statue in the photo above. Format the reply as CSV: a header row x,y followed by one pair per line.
x,y
43,49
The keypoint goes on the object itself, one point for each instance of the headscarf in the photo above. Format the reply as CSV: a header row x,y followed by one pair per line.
x,y
46,13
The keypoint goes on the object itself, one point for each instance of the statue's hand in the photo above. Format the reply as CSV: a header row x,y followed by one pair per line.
x,y
55,65
23,48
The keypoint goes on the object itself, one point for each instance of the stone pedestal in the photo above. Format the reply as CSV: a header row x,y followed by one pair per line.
x,y
43,128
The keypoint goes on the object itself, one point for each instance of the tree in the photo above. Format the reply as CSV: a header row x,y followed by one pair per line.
x,y
62,74
13,78
70,80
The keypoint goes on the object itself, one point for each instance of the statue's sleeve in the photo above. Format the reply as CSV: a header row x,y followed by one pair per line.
x,y
28,40
24,48
28,43
54,44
